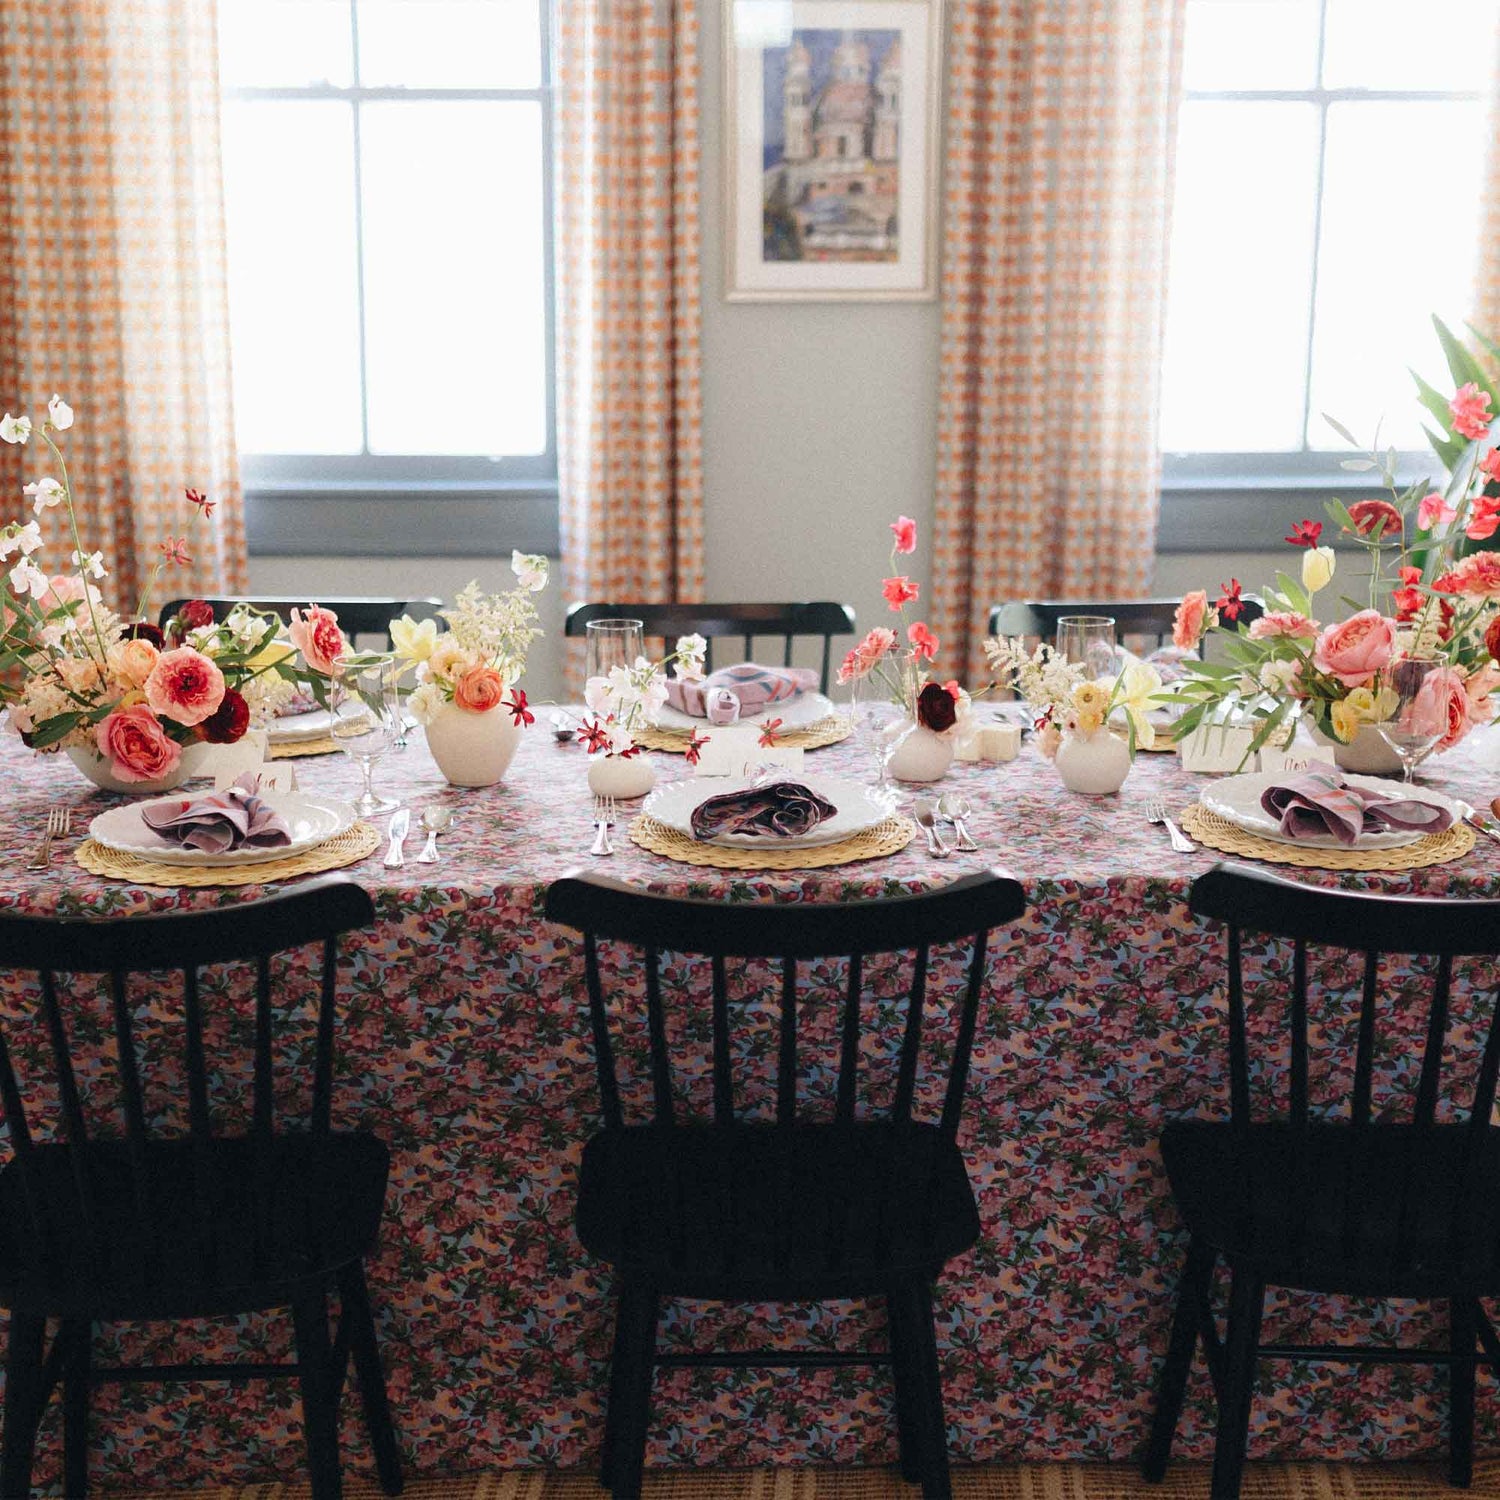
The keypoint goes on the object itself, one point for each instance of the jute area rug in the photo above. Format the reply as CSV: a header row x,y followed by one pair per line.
x,y
1264,1481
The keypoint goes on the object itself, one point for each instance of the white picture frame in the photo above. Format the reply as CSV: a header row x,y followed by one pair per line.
x,y
831,189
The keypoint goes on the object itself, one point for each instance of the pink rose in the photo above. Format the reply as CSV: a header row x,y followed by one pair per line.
x,y
1479,687
1441,707
185,686
1355,649
1190,621
136,746
1279,622
317,636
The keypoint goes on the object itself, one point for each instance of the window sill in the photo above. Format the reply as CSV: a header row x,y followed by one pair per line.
x,y
400,520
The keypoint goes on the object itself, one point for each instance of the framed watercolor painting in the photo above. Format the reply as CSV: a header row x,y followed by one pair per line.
x,y
831,157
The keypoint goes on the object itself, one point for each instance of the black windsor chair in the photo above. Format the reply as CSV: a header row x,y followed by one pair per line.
x,y
1151,618
358,616
99,1226
1364,1205
737,1210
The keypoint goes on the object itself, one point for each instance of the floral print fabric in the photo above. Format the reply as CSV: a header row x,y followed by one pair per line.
x,y
464,1044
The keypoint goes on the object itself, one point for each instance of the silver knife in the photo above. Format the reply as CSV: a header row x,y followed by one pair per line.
x,y
400,824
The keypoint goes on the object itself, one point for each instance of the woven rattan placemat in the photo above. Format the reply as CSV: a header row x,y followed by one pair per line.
x,y
291,749
886,837
828,730
346,848
1219,833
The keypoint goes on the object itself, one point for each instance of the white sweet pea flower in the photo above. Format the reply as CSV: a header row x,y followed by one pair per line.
x,y
530,569
692,652
425,701
14,429
620,740
653,695
27,578
91,565
44,494
59,413
596,695
23,539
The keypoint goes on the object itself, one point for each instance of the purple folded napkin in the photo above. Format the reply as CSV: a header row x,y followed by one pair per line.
x,y
301,702
782,810
1318,803
753,684
232,819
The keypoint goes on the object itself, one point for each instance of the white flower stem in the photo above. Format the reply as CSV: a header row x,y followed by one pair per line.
x,y
67,484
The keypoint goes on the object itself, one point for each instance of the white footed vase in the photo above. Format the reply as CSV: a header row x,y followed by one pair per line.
x,y
1095,766
920,754
473,749
93,765
621,777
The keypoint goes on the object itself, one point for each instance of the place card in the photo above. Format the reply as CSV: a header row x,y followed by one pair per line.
x,y
736,750
246,757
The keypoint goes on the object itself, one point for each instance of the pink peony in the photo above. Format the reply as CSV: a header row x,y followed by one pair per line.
x,y
860,662
1470,407
317,636
1282,622
905,530
136,746
1192,619
1441,707
1355,649
1477,576
1434,511
185,686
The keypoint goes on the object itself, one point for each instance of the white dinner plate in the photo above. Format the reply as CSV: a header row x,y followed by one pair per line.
x,y
312,821
315,724
794,713
859,807
1237,799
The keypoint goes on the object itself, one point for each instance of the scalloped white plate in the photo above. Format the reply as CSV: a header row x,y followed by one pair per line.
x,y
858,808
312,820
1237,799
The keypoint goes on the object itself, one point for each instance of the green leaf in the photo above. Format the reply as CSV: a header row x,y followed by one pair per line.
x,y
1461,363
1293,591
1342,431
1448,447
50,731
1488,344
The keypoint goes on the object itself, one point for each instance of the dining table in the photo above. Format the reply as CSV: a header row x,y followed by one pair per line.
x,y
463,1042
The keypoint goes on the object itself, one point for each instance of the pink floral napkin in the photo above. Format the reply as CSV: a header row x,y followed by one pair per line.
x,y
232,819
1318,803
753,684
783,810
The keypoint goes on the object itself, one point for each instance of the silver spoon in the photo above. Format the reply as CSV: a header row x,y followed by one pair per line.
x,y
435,820
955,809
923,811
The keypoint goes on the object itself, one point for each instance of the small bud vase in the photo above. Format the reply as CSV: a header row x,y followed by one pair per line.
x,y
920,754
473,749
1095,765
623,777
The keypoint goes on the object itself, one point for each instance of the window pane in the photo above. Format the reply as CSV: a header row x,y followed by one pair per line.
x,y
1241,270
454,285
289,199
1409,44
1251,44
450,43
1388,262
284,43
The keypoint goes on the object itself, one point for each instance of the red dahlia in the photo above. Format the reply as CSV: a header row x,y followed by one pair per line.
x,y
936,707
228,722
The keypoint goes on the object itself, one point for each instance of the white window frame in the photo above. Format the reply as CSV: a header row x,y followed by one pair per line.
x,y
1197,488
363,503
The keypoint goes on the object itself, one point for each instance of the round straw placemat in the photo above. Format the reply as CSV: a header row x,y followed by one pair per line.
x,y
1219,833
290,749
828,730
346,848
887,837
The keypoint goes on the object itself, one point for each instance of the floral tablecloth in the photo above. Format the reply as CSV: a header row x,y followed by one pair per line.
x,y
464,1045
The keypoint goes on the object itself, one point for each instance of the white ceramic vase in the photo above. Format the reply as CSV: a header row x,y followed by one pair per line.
x,y
1367,754
1096,766
473,749
96,768
621,777
920,754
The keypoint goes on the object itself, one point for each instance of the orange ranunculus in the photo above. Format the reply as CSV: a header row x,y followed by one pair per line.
x,y
479,690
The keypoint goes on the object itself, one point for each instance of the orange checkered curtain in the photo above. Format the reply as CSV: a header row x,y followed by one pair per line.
x,y
112,283
1061,123
629,411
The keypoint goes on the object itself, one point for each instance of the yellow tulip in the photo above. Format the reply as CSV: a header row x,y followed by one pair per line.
x,y
1317,568
413,639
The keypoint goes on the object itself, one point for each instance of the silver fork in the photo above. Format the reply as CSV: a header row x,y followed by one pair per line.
x,y
59,825
604,817
1156,812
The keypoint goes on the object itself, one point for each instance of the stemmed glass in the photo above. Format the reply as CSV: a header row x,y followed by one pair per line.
x,y
1419,719
362,728
612,643
1088,640
874,718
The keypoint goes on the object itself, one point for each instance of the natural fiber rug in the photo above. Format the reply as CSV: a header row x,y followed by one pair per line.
x,y
987,1482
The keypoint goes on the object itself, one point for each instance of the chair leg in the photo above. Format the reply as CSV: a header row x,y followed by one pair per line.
x,y
77,1335
23,1403
1192,1293
354,1295
1463,1333
630,1394
619,1387
1246,1299
320,1417
904,1372
932,1424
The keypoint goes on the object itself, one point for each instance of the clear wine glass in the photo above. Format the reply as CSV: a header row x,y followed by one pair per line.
x,y
876,719
1088,640
1419,717
395,709
612,643
362,728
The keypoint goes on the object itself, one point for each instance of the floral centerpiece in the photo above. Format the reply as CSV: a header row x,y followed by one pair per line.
x,y
467,694
133,705
1427,593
